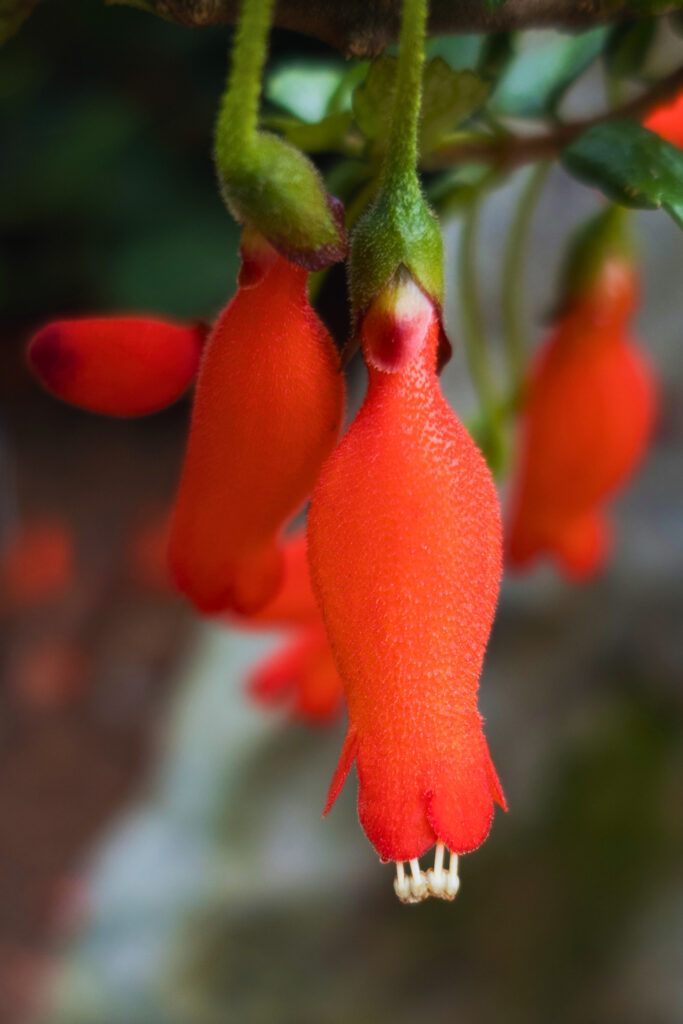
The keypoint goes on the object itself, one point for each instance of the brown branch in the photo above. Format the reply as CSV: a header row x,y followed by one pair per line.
x,y
510,151
362,28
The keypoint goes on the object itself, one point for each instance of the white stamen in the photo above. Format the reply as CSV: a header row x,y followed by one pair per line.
x,y
418,883
453,882
418,886
436,878
402,884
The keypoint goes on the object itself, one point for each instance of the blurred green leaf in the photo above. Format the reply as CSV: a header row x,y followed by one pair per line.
x,y
543,69
373,99
631,165
449,97
494,5
13,13
627,47
327,136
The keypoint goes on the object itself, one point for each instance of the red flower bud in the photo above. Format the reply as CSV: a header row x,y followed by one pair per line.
x,y
587,419
126,366
667,121
405,552
268,406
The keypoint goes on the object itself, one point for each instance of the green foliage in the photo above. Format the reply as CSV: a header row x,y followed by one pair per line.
x,y
628,46
631,165
544,67
449,97
494,5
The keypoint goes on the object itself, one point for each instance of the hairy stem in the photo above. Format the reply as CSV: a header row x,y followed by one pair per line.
x,y
238,115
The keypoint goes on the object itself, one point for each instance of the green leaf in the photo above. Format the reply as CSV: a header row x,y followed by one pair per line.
x,y
545,66
327,136
372,101
494,5
631,165
449,97
628,46
13,13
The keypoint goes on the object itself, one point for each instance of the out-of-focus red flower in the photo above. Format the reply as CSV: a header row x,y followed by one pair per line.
x,y
301,674
148,553
405,550
667,121
117,366
49,674
587,419
36,563
267,411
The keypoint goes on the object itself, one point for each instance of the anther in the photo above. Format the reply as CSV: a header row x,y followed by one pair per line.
x,y
418,882
402,884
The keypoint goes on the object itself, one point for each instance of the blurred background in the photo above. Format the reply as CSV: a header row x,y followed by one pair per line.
x,y
162,854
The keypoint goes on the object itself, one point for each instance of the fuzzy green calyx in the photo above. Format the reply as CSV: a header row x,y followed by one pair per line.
x,y
397,230
265,182
272,187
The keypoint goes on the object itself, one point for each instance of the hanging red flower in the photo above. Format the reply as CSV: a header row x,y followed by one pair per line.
x,y
405,552
116,366
268,407
587,419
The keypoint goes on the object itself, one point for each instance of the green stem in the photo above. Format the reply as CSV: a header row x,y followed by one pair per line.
x,y
400,168
514,260
475,340
238,115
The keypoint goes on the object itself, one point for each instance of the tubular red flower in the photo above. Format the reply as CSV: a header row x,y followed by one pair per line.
x,y
268,406
405,551
667,121
587,419
117,366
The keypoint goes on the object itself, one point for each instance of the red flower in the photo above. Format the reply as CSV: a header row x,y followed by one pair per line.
x,y
301,674
118,366
405,551
588,416
667,121
36,563
267,411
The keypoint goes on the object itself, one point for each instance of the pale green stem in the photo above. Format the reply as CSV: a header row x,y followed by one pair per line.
x,y
514,261
238,116
474,335
400,168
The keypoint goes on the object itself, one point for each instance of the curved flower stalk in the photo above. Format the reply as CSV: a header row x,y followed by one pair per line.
x,y
667,121
587,419
116,366
405,551
267,411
